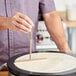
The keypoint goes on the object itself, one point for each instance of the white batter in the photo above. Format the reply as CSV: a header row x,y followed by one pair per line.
x,y
52,62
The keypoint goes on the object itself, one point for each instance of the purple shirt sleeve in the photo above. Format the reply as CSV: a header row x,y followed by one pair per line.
x,y
47,6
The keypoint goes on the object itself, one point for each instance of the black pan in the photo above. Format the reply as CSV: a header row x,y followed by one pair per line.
x,y
19,72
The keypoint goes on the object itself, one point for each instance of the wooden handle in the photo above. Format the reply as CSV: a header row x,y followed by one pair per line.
x,y
30,45
33,59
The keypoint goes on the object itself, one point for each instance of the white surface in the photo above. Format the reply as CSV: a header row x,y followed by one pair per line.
x,y
71,12
74,40
46,46
60,5
51,63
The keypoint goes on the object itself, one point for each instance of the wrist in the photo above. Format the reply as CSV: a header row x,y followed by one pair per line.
x,y
3,23
65,48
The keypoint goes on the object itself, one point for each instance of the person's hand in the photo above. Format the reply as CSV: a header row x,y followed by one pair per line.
x,y
67,51
18,22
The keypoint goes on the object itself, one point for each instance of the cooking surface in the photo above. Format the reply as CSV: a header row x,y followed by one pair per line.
x,y
51,62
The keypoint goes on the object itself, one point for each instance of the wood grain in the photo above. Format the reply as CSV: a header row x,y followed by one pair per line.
x,y
3,73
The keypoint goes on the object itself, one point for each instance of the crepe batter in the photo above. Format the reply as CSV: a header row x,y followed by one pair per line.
x,y
52,62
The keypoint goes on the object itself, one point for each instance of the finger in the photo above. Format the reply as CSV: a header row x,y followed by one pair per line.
x,y
20,26
18,29
23,22
22,31
25,18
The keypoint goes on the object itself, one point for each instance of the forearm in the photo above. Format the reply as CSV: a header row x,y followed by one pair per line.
x,y
56,31
2,23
